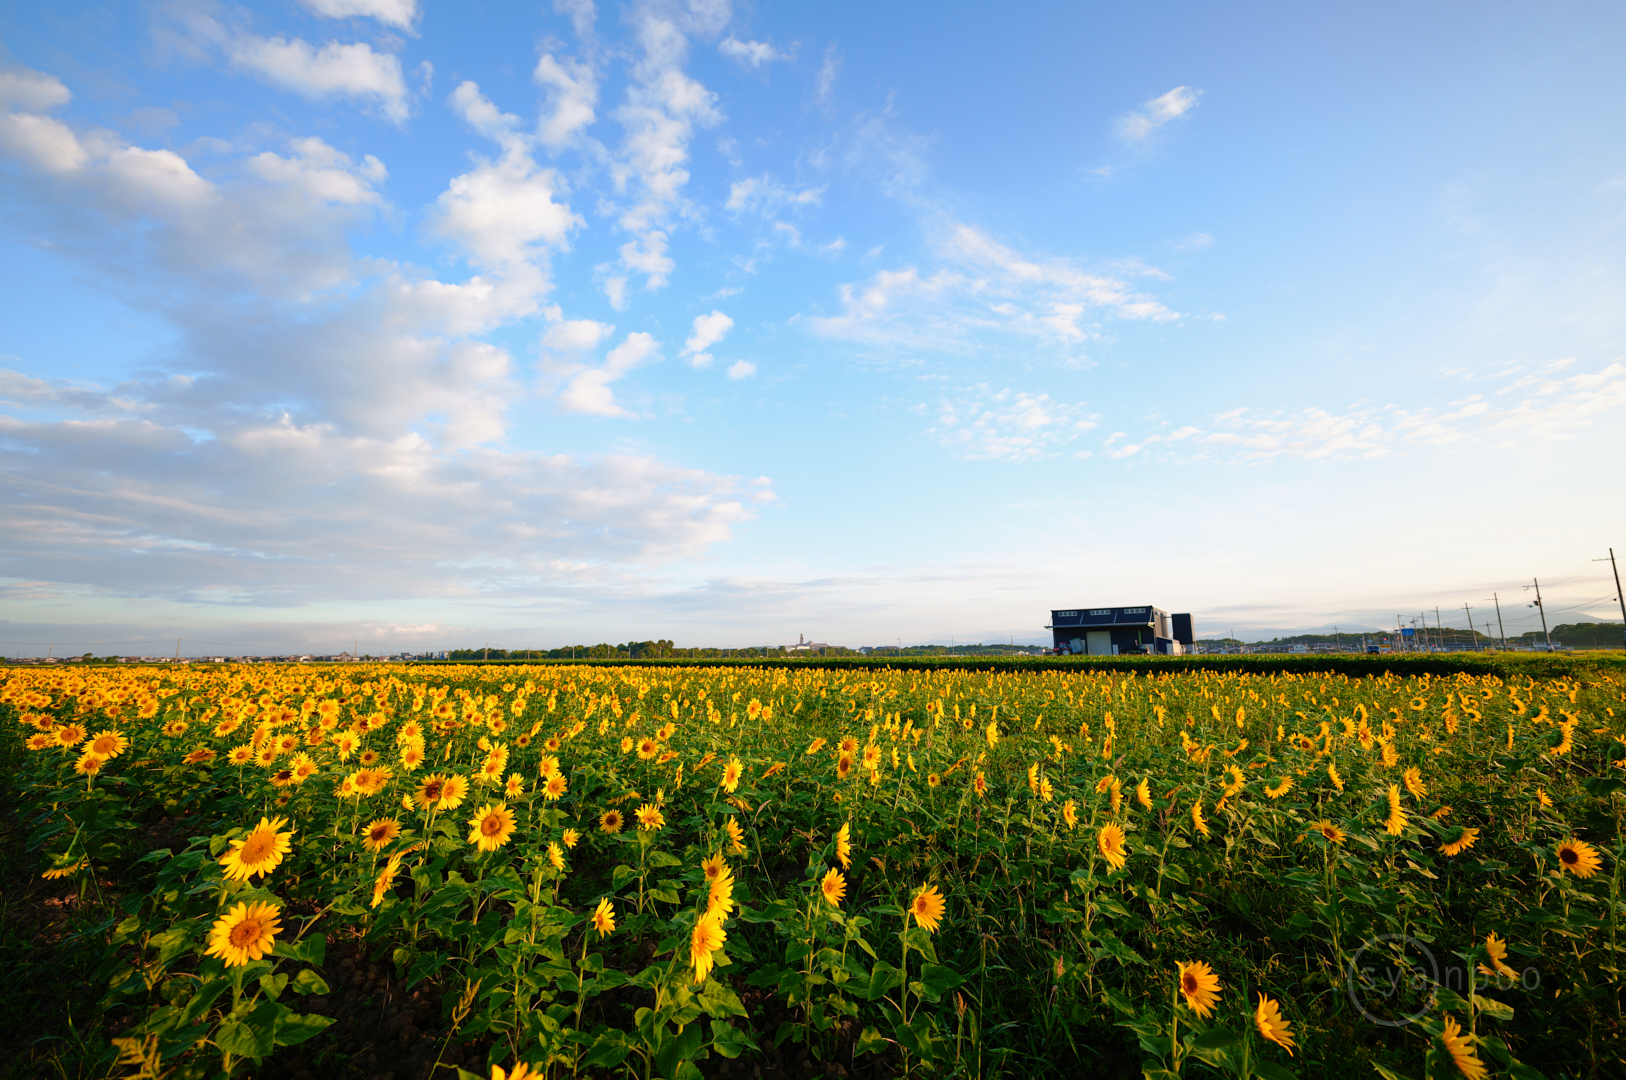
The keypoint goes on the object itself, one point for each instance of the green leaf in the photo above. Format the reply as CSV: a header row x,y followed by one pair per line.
x,y
1491,1007
663,858
729,1040
294,1028
308,982
870,1041
882,978
1271,1071
1215,1038
607,1051
719,1001
1389,1074
665,894
171,943
680,1048
273,985
937,980
245,1038
312,949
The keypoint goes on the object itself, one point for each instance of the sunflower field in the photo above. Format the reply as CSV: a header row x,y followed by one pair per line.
x,y
561,870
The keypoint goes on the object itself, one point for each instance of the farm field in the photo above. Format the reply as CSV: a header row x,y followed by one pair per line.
x,y
387,870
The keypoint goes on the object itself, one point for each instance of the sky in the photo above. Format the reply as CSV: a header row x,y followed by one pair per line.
x,y
422,325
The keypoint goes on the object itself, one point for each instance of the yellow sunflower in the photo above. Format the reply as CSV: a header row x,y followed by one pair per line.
x,y
736,836
260,852
380,833
844,845
604,918
1332,833
707,938
720,893
491,826
610,822
1268,1019
1465,840
1200,987
927,908
1462,1052
1395,823
1496,948
834,887
247,932
108,744
453,792
650,817
731,775
1111,844
1579,858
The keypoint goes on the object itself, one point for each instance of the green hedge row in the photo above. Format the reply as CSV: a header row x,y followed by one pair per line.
x,y
1503,665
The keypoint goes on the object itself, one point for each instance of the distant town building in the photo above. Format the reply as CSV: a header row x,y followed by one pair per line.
x,y
1115,631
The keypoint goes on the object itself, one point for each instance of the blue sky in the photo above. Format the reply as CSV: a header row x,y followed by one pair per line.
x,y
426,324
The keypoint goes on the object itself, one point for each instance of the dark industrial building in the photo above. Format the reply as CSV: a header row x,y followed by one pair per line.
x,y
1120,630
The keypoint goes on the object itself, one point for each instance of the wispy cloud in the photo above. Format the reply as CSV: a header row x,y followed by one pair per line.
x,y
985,286
1005,424
1555,409
1137,125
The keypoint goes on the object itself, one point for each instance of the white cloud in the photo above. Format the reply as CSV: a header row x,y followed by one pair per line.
x,y
335,69
322,172
752,54
708,331
741,369
662,108
647,255
1555,411
582,14
576,336
824,83
572,94
766,196
588,391
397,13
31,91
501,211
985,287
42,142
1007,425
1152,115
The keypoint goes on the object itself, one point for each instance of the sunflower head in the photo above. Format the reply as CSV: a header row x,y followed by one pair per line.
x,y
1579,858
927,908
833,887
1200,987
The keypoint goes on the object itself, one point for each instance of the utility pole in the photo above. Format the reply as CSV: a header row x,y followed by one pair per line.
x,y
1620,597
177,650
1439,627
1544,631
1497,600
1469,612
